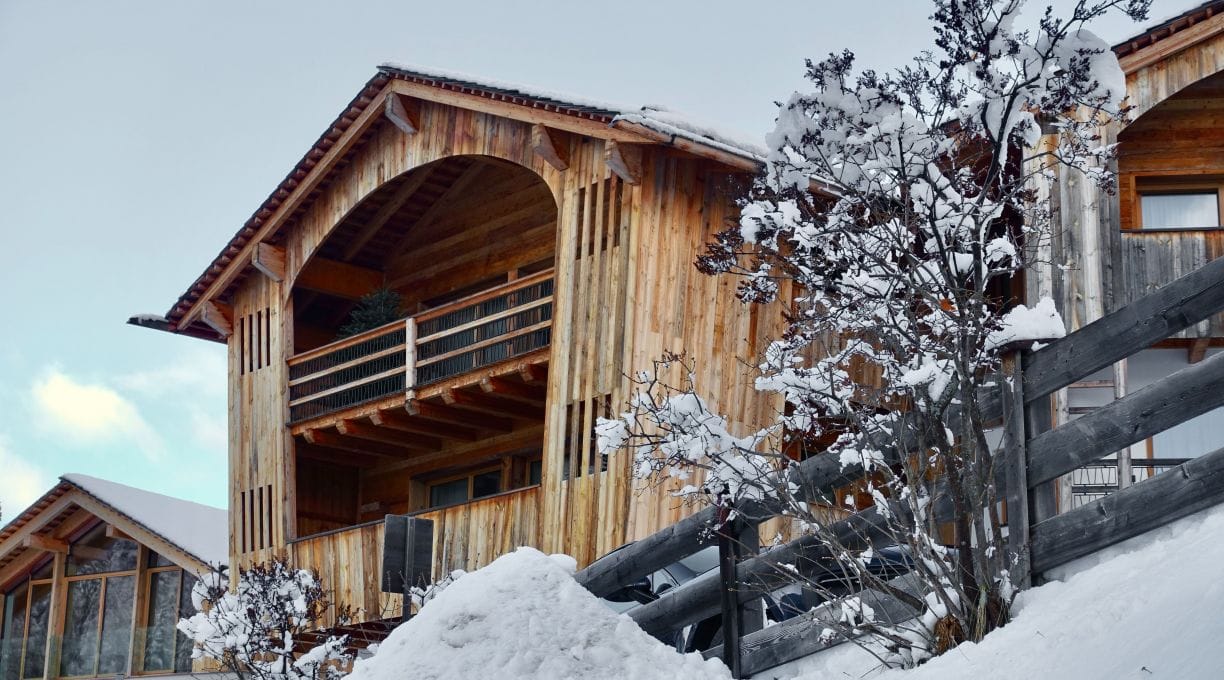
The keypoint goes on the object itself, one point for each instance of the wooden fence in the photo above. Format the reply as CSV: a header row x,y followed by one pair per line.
x,y
1034,456
495,324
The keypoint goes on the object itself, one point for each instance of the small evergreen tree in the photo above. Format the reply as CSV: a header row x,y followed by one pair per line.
x,y
374,309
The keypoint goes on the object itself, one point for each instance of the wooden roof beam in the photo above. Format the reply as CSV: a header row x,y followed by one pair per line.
x,y
219,317
334,440
454,416
403,112
389,209
625,160
304,449
340,279
534,394
404,423
480,402
551,146
270,261
360,430
47,543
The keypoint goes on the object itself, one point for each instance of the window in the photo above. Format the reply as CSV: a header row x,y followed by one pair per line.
x,y
169,597
1176,203
463,489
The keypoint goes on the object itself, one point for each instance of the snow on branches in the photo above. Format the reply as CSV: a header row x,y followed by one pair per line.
x,y
892,215
252,631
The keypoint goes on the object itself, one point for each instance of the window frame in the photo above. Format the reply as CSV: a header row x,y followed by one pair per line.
x,y
470,475
145,600
1171,185
103,576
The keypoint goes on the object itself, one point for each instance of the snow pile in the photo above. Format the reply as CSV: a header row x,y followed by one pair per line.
x,y
201,530
1041,322
524,616
1149,608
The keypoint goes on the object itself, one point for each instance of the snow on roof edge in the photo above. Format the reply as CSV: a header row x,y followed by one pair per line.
x,y
199,530
656,118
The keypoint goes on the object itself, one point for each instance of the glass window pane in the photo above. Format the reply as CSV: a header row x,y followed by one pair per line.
x,y
36,639
535,472
117,625
182,650
94,553
163,616
79,650
448,493
1180,210
486,484
14,632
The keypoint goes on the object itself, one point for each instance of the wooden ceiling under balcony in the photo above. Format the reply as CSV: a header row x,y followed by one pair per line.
x,y
446,425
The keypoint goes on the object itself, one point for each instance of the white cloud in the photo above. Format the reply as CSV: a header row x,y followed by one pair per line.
x,y
88,414
196,372
21,484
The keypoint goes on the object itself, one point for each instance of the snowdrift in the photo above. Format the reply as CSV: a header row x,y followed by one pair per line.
x,y
524,616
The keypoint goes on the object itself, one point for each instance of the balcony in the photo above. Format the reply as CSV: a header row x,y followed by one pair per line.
x,y
422,355
466,536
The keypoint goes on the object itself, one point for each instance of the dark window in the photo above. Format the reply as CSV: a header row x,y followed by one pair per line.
x,y
449,493
36,637
13,631
486,484
535,472
94,553
167,649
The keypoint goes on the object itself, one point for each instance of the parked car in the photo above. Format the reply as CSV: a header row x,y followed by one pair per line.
x,y
782,604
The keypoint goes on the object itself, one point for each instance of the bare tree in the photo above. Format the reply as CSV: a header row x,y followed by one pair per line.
x,y
253,630
894,211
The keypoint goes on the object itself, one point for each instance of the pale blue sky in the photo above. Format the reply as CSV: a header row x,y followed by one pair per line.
x,y
138,136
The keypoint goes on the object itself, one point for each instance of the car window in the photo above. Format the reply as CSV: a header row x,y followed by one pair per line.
x,y
702,561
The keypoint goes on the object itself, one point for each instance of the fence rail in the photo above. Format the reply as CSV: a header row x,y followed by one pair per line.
x,y
476,331
1033,456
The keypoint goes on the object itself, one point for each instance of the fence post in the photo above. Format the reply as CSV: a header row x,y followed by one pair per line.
x,y
1038,418
728,559
1016,466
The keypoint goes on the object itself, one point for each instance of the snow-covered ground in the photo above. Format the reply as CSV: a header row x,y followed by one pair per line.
x,y
1151,608
1147,609
524,616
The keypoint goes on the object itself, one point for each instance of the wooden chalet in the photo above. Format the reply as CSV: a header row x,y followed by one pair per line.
x,y
541,248
1164,222
94,576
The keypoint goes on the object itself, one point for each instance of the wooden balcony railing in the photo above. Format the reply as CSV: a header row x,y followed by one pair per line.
x,y
496,324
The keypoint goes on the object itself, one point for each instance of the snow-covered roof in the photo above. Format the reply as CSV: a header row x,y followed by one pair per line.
x,y
197,529
1169,26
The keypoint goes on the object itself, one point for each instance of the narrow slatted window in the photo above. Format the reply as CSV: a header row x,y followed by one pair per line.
x,y
242,505
241,346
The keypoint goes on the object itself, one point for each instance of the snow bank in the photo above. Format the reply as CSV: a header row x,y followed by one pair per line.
x,y
1151,611
524,616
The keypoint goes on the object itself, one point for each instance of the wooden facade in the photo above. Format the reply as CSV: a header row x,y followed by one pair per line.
x,y
540,251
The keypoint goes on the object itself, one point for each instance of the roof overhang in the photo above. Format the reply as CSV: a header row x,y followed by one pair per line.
x,y
294,194
1171,36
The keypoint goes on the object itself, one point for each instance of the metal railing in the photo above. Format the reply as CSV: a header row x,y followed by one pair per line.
x,y
476,331
1100,478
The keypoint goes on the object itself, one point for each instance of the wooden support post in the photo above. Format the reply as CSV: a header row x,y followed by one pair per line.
x,y
728,559
218,316
270,260
1016,466
550,146
402,112
1125,477
625,160
1043,499
410,342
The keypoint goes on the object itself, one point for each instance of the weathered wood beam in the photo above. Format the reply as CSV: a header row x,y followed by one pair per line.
x,y
454,416
456,191
403,112
113,531
550,146
399,421
533,374
535,394
304,449
1186,489
481,403
340,279
1174,399
360,430
1138,325
219,317
47,543
269,260
625,160
334,440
